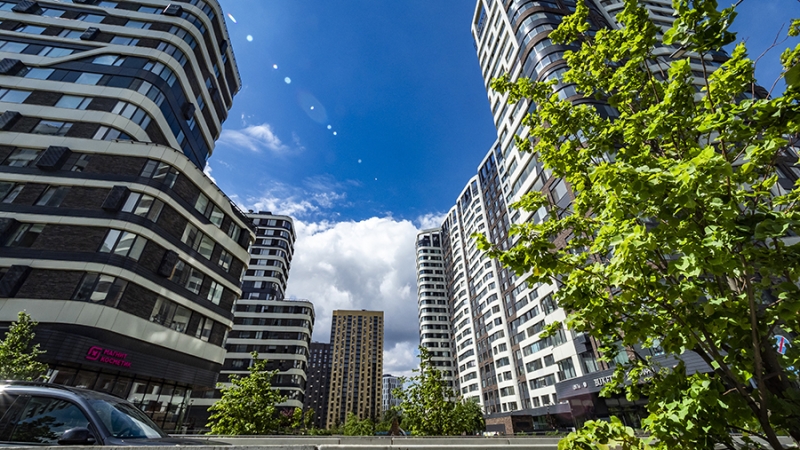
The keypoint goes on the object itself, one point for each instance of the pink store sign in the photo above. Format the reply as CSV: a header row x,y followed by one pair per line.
x,y
108,356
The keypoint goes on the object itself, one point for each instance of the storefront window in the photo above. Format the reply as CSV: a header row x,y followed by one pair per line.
x,y
137,393
121,387
85,379
64,376
105,383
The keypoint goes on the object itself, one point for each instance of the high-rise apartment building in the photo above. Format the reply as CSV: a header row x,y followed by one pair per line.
x,y
389,384
264,321
523,382
319,377
111,236
434,311
355,385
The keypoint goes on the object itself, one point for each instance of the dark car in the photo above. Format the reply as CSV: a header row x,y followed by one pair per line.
x,y
48,414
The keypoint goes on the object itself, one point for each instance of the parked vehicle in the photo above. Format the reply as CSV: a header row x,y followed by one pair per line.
x,y
34,413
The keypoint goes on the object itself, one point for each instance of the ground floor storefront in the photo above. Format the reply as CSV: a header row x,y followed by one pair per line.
x,y
585,402
157,380
531,421
580,401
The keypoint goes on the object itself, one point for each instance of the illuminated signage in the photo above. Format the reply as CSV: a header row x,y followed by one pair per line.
x,y
108,356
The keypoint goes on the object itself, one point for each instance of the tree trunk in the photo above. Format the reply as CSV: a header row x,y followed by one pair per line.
x,y
784,390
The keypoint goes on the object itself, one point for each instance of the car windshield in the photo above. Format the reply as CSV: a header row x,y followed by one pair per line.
x,y
124,420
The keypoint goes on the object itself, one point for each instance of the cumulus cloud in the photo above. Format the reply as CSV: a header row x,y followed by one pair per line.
x,y
207,171
401,359
366,264
431,220
255,138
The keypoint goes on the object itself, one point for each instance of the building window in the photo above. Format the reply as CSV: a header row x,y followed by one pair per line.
x,y
207,208
123,243
137,24
160,171
194,280
187,276
171,315
13,47
38,73
589,363
566,369
93,18
73,102
30,29
143,205
81,163
52,127
109,134
13,95
50,12
10,191
90,79
22,157
204,329
25,235
234,231
225,260
102,289
548,304
109,60
197,240
132,112
70,34
124,40
533,365
53,196
215,293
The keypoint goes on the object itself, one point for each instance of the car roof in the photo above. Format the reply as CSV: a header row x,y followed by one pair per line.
x,y
37,386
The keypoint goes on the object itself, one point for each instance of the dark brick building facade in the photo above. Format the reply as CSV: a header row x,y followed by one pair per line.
x,y
319,379
111,236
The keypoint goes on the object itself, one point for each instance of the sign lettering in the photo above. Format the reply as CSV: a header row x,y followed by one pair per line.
x,y
108,356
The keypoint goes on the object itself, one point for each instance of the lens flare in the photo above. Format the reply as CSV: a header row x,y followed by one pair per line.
x,y
287,80
230,16
274,66
249,38
313,108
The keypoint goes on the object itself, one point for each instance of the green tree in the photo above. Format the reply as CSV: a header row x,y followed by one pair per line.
x,y
680,235
388,418
18,359
248,405
297,419
353,426
308,418
430,408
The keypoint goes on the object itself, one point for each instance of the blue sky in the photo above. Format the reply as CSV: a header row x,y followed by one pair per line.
x,y
399,84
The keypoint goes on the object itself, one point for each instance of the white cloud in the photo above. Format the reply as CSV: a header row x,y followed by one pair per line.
x,y
431,220
207,171
400,359
255,138
316,196
369,264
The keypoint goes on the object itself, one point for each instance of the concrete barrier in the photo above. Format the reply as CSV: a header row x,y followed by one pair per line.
x,y
395,442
